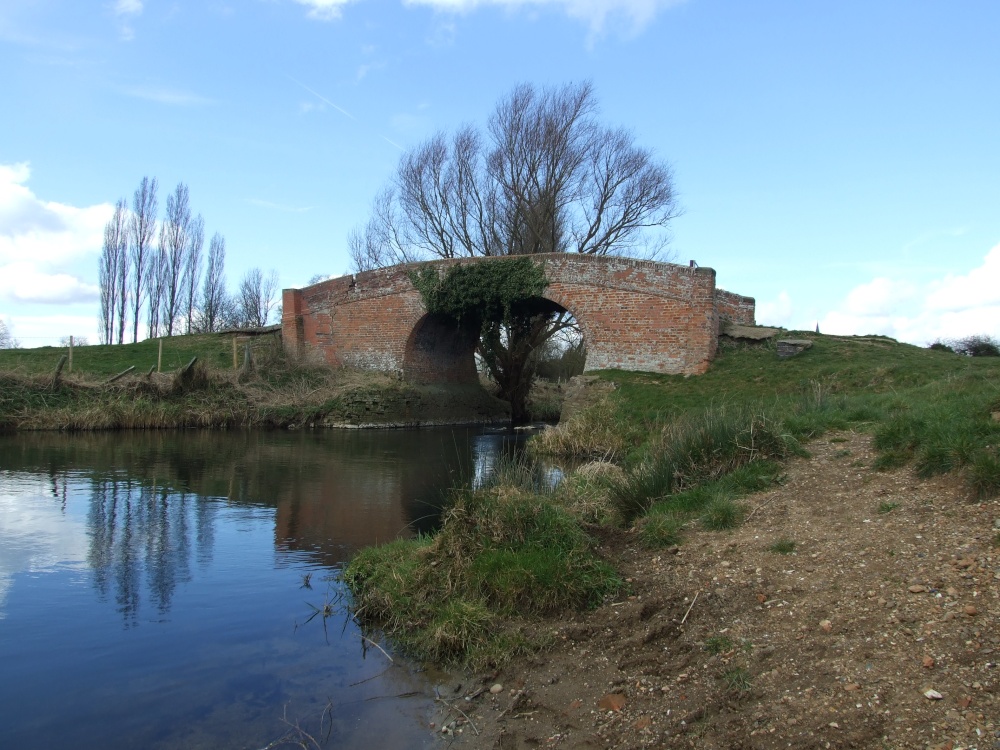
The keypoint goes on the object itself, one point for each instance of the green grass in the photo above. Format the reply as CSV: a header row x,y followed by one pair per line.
x,y
738,680
929,409
698,449
661,529
722,514
97,361
500,554
783,547
887,507
718,644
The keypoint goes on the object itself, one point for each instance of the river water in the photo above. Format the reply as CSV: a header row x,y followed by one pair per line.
x,y
156,588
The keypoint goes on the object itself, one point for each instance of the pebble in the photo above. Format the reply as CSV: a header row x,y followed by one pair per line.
x,y
826,626
934,695
970,610
928,662
917,589
496,689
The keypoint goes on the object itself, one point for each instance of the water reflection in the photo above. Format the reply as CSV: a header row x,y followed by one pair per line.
x,y
150,583
149,518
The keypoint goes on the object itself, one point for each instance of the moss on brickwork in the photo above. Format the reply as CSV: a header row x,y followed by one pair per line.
x,y
476,295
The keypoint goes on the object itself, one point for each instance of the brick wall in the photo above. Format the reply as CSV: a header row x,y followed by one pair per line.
x,y
635,315
736,308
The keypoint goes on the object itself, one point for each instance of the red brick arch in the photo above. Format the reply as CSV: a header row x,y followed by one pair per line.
x,y
634,314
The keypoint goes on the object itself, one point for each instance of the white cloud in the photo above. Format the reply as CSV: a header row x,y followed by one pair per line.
x,y
39,240
776,313
595,13
44,233
880,297
324,10
979,288
951,307
49,330
128,7
24,283
125,10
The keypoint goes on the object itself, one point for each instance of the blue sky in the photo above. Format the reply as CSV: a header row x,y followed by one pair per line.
x,y
838,161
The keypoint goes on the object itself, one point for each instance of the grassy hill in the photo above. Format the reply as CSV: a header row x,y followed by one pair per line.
x,y
100,361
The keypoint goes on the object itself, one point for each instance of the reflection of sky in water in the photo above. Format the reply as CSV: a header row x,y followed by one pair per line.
x,y
153,587
37,535
484,456
491,447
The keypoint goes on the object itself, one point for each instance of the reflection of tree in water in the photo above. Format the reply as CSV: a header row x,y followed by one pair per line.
x,y
144,532
155,496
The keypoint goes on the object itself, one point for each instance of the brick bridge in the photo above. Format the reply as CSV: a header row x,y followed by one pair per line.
x,y
634,314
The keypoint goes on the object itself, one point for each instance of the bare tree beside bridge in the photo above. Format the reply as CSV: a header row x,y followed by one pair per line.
x,y
544,176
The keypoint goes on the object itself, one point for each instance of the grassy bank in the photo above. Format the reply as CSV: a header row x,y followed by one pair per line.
x,y
218,391
664,453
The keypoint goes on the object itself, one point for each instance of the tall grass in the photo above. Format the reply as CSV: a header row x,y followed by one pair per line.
x,y
698,449
497,555
596,432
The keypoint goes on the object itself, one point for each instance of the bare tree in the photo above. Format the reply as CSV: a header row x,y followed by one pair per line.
x,y
175,234
257,297
141,231
213,294
545,176
156,274
7,340
112,264
192,267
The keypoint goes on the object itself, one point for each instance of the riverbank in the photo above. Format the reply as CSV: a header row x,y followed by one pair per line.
x,y
779,551
211,381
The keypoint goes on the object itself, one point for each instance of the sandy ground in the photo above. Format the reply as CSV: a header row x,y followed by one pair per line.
x,y
881,629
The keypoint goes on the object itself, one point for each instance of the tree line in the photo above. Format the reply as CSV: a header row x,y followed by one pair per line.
x,y
155,269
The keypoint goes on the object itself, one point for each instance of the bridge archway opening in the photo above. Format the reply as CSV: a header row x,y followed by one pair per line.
x,y
439,350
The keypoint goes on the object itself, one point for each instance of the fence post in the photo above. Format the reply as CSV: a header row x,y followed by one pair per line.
x,y
159,356
70,363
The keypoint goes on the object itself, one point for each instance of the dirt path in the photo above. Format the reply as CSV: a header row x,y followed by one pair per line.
x,y
881,629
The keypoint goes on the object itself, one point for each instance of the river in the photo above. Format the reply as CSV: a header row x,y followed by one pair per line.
x,y
165,590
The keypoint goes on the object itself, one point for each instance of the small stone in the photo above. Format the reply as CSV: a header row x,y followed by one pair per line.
x,y
964,703
934,695
970,610
496,689
852,686
928,662
826,626
917,589
834,725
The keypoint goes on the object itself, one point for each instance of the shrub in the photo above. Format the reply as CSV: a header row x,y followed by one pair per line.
x,y
977,346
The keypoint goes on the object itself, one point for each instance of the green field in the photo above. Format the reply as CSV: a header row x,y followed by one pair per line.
x,y
101,361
